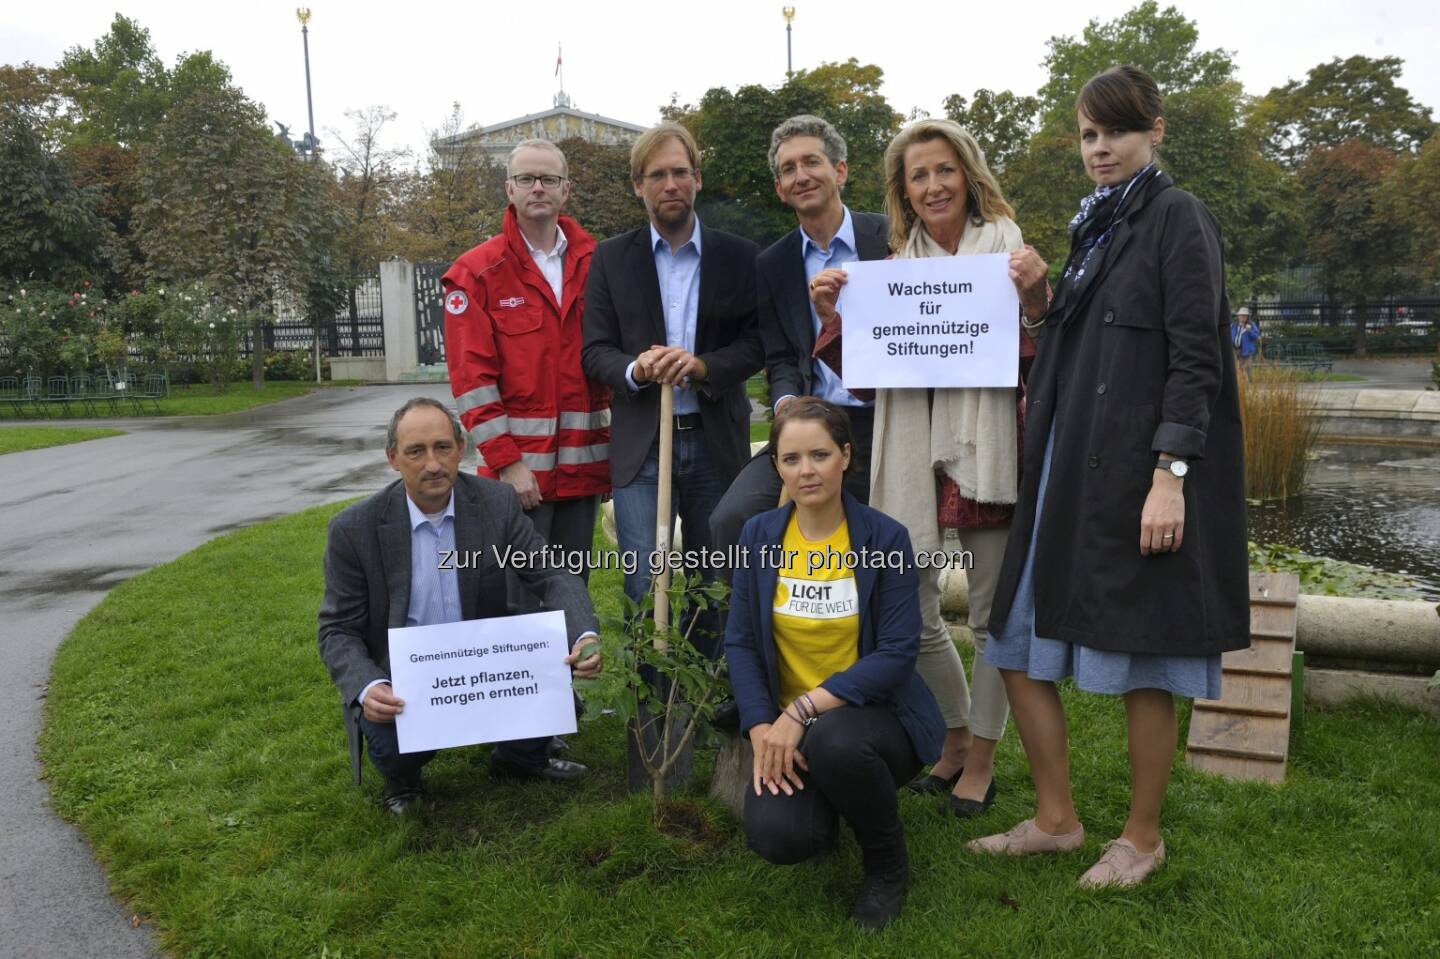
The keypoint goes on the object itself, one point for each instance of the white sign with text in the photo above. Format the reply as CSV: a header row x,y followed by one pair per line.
x,y
940,321
482,681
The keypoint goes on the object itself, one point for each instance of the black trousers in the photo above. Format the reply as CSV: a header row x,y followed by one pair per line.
x,y
402,770
858,756
757,488
569,525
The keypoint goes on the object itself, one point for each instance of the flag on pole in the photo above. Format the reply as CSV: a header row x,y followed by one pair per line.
x,y
557,60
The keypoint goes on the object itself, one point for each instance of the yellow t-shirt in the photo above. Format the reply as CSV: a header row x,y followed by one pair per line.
x,y
816,611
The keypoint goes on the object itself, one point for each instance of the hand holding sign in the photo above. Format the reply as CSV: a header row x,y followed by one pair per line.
x,y
824,291
482,681
950,321
1028,272
584,658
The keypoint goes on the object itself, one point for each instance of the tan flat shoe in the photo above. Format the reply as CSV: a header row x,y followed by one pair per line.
x,y
1026,839
1122,865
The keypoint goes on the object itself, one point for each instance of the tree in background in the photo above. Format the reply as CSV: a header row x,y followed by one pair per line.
x,y
102,105
1208,147
733,130
1412,195
602,197
1357,98
224,202
50,231
1350,229
370,180
455,202
1002,123
120,87
34,93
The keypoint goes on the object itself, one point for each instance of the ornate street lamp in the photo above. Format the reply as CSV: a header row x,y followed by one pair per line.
x,y
789,13
303,15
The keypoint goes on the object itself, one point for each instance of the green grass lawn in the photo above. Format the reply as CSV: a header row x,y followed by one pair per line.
x,y
16,438
194,737
1264,370
202,400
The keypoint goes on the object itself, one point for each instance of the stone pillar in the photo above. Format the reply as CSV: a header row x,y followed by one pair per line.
x,y
397,300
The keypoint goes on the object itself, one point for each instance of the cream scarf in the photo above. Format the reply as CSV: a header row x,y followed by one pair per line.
x,y
969,433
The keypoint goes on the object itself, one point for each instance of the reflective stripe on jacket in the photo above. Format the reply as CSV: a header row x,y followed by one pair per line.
x,y
514,359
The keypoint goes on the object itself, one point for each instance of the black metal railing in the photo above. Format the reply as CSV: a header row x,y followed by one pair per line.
x,y
356,329
429,313
1410,325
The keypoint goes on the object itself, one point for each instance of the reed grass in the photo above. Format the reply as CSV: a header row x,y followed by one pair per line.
x,y
1278,413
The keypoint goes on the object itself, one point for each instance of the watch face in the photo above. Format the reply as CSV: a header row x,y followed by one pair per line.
x,y
1179,467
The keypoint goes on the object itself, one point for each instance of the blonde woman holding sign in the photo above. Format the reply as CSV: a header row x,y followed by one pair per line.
x,y
949,458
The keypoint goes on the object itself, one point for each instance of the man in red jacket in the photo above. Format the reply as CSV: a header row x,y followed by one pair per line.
x,y
513,307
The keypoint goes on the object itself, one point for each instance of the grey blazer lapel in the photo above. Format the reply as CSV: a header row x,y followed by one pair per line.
x,y
469,542
395,555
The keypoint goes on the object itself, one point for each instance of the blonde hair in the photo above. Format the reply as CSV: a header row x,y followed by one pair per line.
x,y
533,144
653,138
983,200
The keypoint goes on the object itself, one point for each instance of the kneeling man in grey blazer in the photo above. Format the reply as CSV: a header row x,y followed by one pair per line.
x,y
384,568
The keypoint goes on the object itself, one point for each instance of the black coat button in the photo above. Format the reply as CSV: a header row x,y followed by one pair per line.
x,y
1094,462
1109,316
1100,389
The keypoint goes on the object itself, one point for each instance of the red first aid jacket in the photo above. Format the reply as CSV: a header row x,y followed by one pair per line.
x,y
514,358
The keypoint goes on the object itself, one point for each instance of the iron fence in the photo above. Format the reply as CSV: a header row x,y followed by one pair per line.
x,y
356,329
1400,325
429,313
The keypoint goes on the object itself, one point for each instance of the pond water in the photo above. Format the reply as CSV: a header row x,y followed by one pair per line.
x,y
1374,505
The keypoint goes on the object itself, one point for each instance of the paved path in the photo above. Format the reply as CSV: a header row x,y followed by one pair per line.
x,y
77,520
1385,372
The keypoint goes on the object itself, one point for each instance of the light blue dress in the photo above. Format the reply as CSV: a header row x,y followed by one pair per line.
x,y
1095,670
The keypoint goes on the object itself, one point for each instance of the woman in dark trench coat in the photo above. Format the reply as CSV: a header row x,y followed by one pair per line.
x,y
1126,565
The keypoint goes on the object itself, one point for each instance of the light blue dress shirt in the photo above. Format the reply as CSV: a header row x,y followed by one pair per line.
x,y
679,275
842,250
434,592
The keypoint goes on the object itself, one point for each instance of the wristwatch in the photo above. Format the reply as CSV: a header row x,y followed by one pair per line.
x,y
1177,468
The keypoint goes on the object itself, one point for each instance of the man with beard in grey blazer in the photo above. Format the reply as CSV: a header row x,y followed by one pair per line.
x,y
385,568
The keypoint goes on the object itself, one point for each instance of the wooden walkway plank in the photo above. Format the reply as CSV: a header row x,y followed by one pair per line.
x,y
1246,733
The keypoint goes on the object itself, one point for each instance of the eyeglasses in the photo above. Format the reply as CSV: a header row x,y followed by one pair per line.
x,y
527,180
681,174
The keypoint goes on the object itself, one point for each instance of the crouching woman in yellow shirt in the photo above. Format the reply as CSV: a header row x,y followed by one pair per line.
x,y
822,636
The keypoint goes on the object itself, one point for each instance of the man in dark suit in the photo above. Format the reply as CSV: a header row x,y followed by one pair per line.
x,y
807,158
385,568
672,306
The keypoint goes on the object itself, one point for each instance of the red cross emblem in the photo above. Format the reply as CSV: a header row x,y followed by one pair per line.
x,y
457,303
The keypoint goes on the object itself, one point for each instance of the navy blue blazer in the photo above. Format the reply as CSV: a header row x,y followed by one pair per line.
x,y
889,595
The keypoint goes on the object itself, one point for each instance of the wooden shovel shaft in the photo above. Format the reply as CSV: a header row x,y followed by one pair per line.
x,y
662,512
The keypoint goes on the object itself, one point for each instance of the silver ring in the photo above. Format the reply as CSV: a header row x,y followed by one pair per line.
x,y
1168,536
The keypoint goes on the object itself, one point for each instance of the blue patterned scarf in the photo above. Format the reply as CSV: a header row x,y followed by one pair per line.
x,y
1091,227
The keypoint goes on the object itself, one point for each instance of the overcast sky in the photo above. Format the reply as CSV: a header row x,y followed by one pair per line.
x,y
625,60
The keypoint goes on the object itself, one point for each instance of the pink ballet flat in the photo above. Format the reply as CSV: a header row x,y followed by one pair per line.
x,y
1122,865
1026,839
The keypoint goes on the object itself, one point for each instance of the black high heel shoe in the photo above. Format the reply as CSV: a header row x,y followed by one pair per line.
x,y
928,785
969,808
